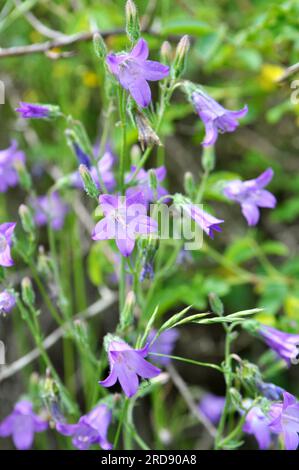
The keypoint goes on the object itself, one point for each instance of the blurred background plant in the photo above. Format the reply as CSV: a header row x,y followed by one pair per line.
x,y
240,51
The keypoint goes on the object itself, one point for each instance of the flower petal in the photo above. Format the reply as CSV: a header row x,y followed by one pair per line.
x,y
140,51
153,70
141,92
251,213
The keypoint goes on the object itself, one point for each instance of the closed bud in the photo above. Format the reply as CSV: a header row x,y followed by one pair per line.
x,y
153,182
180,60
28,294
208,159
24,176
127,315
27,220
44,263
132,21
99,46
135,155
88,182
146,135
166,53
216,304
189,184
236,398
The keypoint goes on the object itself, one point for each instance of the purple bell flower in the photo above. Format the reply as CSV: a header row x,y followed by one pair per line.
x,y
125,218
133,71
105,167
126,364
215,117
286,345
143,184
285,420
212,407
164,344
7,302
6,232
8,158
251,195
33,111
49,208
257,423
21,424
91,428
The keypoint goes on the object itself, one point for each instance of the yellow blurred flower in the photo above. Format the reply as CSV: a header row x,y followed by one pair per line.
x,y
291,306
269,75
90,79
265,318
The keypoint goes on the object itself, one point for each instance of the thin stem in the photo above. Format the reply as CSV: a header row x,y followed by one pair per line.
x,y
120,423
189,361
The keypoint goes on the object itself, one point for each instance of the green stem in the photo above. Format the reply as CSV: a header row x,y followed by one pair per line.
x,y
189,361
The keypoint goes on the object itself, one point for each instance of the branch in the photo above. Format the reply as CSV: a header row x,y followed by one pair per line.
x,y
107,300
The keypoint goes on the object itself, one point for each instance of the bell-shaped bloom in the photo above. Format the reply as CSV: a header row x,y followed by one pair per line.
x,y
212,406
7,302
126,364
271,391
257,423
286,345
285,420
33,111
6,232
49,208
21,424
133,71
251,195
8,159
125,219
215,117
143,183
91,428
105,170
164,344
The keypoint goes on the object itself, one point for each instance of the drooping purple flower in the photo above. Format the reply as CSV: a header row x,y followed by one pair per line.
x,y
83,158
251,195
143,183
105,169
164,344
49,208
7,302
285,420
271,391
21,424
91,428
212,406
133,71
286,345
6,232
215,117
125,218
8,158
126,364
257,423
33,111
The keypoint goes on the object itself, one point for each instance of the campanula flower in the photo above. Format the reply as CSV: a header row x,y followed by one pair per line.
x,y
212,406
251,195
7,302
49,208
164,344
83,158
133,71
91,428
271,391
285,420
257,423
143,183
125,219
215,117
207,222
286,345
8,158
21,424
6,232
33,111
126,364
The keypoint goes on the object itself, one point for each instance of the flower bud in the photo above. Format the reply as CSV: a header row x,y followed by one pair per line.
x,y
28,294
216,304
135,155
27,219
127,315
132,21
208,159
88,182
24,176
180,60
99,46
146,135
189,184
166,53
